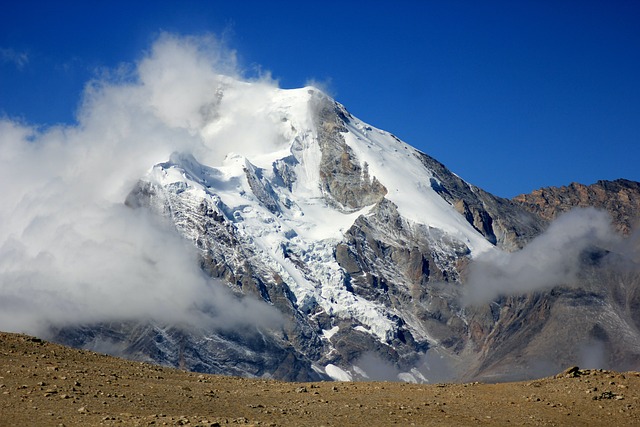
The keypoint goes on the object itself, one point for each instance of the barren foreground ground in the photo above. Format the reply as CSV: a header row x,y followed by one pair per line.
x,y
44,384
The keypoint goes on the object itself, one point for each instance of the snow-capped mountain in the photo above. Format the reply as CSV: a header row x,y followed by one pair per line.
x,y
362,244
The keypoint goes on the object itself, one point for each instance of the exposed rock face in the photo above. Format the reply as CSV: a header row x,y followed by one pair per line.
x,y
403,267
501,221
621,198
249,353
593,322
345,182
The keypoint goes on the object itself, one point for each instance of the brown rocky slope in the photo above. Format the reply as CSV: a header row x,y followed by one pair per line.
x,y
621,198
43,384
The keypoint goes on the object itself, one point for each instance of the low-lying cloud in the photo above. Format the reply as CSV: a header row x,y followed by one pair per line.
x,y
432,367
551,259
70,251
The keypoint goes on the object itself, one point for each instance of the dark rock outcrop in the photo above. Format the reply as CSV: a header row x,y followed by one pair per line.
x,y
345,182
502,222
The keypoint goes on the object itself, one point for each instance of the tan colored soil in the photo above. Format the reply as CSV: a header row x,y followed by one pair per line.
x,y
44,384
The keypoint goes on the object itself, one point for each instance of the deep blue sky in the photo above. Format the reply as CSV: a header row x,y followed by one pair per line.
x,y
510,95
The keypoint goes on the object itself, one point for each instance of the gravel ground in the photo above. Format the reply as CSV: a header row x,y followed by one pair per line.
x,y
44,384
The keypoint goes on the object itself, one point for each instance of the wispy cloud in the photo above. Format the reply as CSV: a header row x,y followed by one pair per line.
x,y
11,56
551,259
325,85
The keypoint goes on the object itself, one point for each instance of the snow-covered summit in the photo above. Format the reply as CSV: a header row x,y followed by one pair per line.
x,y
289,200
281,171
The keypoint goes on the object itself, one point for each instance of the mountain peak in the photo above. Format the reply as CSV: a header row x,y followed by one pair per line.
x,y
360,241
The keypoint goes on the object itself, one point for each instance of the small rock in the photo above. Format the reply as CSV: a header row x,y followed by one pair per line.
x,y
606,395
572,372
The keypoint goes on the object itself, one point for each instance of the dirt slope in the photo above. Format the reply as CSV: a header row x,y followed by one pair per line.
x,y
44,384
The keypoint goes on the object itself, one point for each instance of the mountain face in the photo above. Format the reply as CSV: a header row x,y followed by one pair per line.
x,y
363,244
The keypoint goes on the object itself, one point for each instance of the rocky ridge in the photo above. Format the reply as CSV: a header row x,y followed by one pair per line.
x,y
621,198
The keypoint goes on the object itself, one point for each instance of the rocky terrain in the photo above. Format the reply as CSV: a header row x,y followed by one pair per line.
x,y
45,384
621,198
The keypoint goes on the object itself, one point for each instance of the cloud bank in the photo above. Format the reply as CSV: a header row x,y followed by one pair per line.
x,y
551,259
70,251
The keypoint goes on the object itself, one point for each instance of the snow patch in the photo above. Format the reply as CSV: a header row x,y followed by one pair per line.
x,y
337,373
407,378
397,166
328,333
358,370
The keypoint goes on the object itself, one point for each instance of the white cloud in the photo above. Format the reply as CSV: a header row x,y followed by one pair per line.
x,y
551,259
325,85
19,59
70,251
